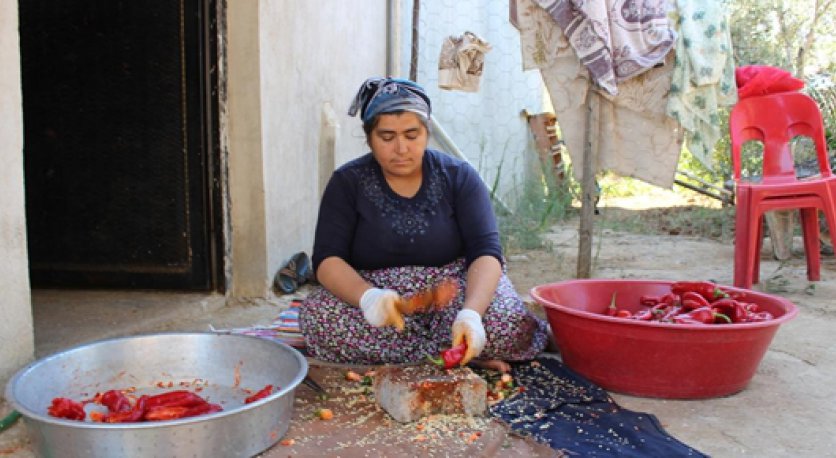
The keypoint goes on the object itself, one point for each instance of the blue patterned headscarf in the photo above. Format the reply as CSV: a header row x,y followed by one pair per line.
x,y
386,95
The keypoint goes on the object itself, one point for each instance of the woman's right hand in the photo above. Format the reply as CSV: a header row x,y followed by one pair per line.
x,y
379,308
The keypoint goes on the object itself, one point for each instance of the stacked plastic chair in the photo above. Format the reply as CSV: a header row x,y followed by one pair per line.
x,y
775,119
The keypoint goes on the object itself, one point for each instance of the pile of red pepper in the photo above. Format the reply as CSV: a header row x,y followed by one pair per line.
x,y
121,408
694,302
164,406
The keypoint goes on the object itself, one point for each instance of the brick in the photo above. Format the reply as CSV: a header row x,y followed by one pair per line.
x,y
411,392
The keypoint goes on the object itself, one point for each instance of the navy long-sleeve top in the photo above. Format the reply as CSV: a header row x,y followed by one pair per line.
x,y
364,222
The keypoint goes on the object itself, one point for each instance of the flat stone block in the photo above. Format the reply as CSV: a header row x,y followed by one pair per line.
x,y
411,392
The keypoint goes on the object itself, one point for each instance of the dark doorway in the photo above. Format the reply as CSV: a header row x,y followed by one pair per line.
x,y
119,145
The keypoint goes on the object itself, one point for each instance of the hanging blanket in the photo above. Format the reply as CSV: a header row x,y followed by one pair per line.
x,y
562,409
614,39
634,137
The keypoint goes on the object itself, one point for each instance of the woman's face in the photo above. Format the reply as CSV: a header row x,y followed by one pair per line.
x,y
398,142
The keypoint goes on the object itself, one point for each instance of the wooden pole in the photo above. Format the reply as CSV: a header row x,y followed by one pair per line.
x,y
588,191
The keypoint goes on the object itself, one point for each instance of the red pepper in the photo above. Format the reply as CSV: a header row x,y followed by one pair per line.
x,y
162,413
734,310
133,415
177,398
654,313
706,289
614,311
703,315
451,358
115,401
66,408
670,299
261,394
649,300
643,315
693,300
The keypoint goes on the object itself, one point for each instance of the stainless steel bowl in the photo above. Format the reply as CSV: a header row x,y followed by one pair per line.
x,y
225,366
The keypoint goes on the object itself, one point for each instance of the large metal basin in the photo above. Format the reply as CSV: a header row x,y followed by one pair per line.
x,y
229,364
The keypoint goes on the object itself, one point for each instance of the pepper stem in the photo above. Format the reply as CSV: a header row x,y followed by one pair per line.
x,y
723,316
438,361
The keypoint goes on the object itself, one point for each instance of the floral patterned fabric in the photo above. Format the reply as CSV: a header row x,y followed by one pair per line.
x,y
337,332
703,74
614,39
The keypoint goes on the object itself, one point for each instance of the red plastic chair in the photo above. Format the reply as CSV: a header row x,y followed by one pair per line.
x,y
775,119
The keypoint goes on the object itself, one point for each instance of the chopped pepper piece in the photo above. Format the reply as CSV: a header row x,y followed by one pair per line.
x,y
261,394
66,408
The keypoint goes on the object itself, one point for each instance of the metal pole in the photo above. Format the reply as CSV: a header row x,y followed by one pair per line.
x,y
393,38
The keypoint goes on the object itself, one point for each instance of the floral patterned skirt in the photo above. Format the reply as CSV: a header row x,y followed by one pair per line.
x,y
337,332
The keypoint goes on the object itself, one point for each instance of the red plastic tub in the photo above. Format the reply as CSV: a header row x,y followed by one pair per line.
x,y
654,359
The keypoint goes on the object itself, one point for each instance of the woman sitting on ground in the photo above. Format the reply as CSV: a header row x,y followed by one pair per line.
x,y
399,220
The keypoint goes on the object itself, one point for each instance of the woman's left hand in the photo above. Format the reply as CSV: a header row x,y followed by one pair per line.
x,y
468,328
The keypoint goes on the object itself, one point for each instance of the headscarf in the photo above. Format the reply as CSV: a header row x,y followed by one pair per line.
x,y
385,95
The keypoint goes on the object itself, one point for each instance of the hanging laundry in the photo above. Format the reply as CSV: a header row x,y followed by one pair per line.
x,y
703,75
461,62
615,39
633,136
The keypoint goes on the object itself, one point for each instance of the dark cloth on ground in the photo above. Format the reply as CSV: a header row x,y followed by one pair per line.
x,y
571,414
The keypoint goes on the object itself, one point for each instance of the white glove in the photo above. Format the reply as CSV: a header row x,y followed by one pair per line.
x,y
379,308
468,328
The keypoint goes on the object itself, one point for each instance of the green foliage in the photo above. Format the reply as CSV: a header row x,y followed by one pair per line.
x,y
826,98
542,202
797,35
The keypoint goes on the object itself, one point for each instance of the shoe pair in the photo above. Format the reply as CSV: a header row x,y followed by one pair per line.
x,y
295,272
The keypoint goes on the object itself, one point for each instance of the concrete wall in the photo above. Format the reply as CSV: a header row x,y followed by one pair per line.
x,y
486,125
293,68
17,345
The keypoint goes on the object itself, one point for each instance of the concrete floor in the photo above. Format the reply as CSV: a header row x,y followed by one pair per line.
x,y
66,318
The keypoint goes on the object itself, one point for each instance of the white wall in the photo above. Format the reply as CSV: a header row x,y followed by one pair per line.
x,y
487,125
314,57
294,64
17,345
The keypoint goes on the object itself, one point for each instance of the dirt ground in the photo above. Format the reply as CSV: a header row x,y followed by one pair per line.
x,y
787,410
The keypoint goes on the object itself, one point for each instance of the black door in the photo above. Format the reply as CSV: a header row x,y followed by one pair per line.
x,y
118,143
